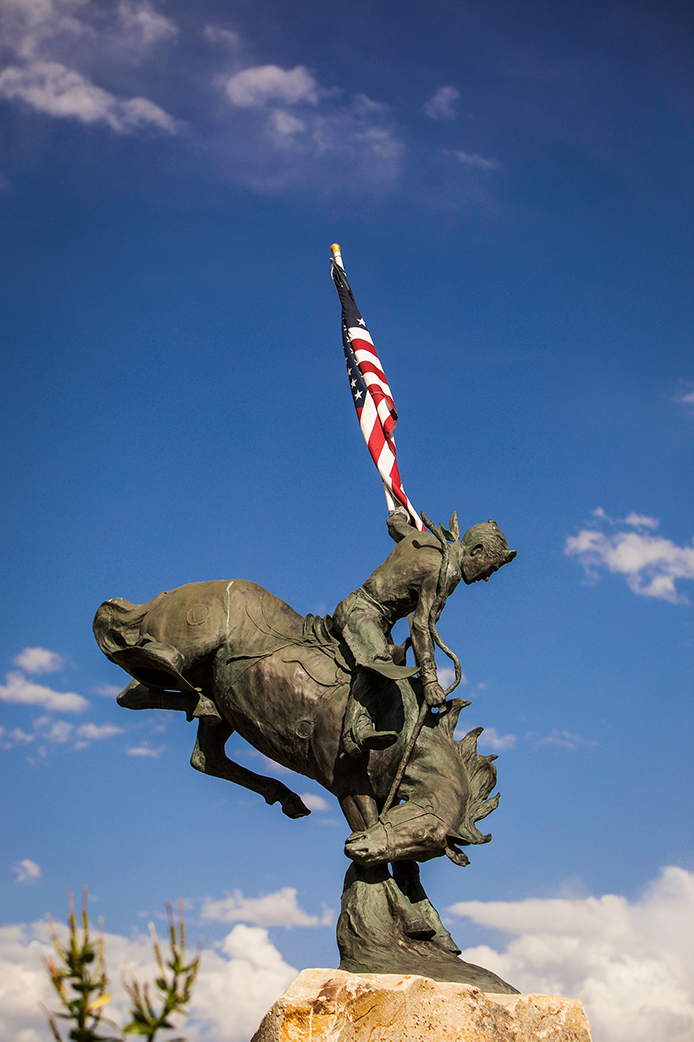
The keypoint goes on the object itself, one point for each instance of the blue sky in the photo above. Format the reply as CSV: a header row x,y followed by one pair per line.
x,y
511,186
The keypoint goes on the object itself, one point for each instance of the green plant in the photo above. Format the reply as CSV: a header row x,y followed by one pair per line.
x,y
79,978
174,990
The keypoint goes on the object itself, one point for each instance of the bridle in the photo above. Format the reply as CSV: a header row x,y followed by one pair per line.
x,y
389,828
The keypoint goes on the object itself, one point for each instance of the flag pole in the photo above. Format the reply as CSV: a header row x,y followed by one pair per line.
x,y
336,251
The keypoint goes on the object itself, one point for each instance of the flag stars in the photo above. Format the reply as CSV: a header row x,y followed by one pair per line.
x,y
362,322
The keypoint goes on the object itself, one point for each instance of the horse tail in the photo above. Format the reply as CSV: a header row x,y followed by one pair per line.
x,y
117,624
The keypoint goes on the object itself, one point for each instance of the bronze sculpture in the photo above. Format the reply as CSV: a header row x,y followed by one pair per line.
x,y
333,699
409,583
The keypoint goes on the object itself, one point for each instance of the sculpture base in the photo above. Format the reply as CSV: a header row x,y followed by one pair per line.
x,y
334,1006
389,926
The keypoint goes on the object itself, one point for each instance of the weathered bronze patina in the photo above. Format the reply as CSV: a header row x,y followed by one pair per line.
x,y
333,699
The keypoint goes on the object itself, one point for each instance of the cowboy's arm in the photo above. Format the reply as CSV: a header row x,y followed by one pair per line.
x,y
398,523
422,640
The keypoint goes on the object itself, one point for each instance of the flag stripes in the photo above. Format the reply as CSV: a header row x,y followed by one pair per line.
x,y
371,394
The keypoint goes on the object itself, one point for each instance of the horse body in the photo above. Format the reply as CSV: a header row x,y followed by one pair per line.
x,y
242,660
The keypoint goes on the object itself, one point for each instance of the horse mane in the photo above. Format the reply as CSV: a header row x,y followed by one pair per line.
x,y
481,774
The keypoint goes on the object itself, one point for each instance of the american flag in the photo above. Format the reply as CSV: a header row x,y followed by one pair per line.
x,y
371,393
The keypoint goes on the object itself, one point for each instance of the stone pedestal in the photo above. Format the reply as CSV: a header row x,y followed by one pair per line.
x,y
335,1006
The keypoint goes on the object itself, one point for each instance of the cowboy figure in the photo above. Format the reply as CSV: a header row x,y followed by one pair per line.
x,y
409,581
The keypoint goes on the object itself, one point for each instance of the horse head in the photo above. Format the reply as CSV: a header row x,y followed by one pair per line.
x,y
444,792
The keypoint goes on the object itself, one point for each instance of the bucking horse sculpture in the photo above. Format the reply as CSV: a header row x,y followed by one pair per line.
x,y
236,658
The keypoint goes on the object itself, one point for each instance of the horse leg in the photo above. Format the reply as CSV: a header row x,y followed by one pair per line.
x,y
360,810
406,876
195,706
209,758
383,899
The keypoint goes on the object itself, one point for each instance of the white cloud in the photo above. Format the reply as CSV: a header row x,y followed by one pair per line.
x,y
50,39
19,690
447,676
564,739
36,29
58,732
442,104
10,738
236,985
97,732
491,739
146,750
214,34
27,871
59,91
285,123
315,802
632,964
278,909
362,134
252,88
290,132
38,660
472,159
267,764
140,24
280,129
108,690
651,564
641,521
23,982
28,26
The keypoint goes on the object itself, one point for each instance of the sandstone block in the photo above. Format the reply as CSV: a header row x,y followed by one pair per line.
x,y
335,1006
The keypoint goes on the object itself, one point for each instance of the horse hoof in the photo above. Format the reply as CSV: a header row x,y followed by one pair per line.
x,y
134,696
419,929
294,807
445,941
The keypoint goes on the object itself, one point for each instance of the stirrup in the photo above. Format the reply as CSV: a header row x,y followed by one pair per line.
x,y
379,739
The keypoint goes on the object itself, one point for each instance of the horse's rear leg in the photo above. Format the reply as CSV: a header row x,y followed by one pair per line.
x,y
210,758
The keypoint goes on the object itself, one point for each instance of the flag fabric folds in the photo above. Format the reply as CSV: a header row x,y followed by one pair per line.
x,y
371,394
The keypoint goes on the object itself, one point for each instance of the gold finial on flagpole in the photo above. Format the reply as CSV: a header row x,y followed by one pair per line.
x,y
337,254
